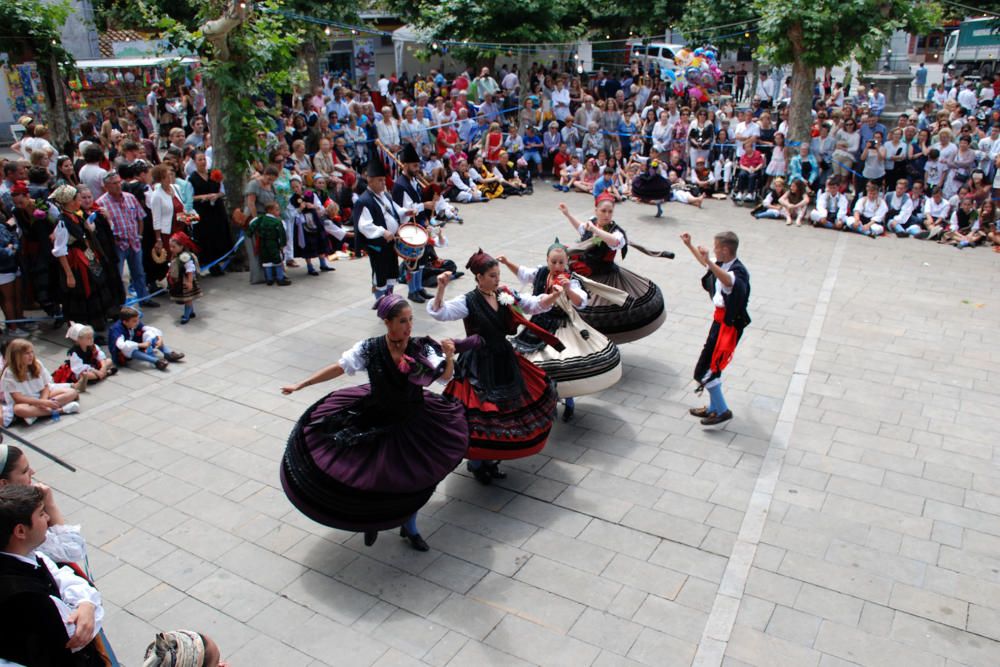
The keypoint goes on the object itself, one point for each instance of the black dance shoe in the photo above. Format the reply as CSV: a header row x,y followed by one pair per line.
x,y
415,297
416,541
712,419
482,475
370,537
493,470
427,295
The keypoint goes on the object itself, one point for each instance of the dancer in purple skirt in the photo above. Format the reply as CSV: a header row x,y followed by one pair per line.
x,y
366,458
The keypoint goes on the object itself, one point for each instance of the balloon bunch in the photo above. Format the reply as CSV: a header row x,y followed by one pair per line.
x,y
695,72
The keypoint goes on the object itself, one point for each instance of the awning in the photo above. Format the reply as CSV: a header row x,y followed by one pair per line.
x,y
125,63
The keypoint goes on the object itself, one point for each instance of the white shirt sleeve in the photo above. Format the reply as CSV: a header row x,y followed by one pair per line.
x,y
527,275
74,591
77,365
575,286
452,309
353,360
367,226
60,240
457,182
64,543
532,305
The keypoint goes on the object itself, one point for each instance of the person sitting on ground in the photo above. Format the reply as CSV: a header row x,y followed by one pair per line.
x,y
462,184
129,339
584,182
86,362
569,173
964,228
937,214
606,184
869,213
899,218
27,387
795,202
831,206
680,191
49,614
702,177
770,207
182,648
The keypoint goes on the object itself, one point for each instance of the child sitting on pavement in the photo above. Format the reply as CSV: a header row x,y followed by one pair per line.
x,y
27,387
129,339
86,361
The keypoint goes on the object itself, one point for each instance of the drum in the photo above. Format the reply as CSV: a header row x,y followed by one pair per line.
x,y
410,242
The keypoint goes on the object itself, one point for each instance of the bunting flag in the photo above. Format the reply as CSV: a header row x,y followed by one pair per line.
x,y
391,168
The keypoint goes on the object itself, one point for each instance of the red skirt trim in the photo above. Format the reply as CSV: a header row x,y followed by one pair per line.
x,y
725,343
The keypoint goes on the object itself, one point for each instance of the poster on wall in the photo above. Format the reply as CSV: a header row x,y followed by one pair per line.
x,y
364,58
25,90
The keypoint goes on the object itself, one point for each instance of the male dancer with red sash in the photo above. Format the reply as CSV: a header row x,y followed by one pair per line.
x,y
727,282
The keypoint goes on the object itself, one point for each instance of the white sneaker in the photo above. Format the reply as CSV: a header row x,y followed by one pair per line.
x,y
71,408
30,420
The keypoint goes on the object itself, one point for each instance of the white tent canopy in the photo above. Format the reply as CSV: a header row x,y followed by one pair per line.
x,y
400,37
125,63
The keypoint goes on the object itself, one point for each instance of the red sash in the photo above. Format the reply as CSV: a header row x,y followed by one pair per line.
x,y
725,343
78,260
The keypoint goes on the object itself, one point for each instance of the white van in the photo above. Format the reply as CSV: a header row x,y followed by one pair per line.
x,y
660,54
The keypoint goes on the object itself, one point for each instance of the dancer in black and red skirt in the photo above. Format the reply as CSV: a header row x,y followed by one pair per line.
x,y
510,403
727,282
594,257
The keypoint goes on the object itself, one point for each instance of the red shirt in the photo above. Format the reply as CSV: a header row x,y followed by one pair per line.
x,y
446,135
558,161
752,160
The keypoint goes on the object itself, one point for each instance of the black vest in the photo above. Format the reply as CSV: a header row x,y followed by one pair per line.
x,y
367,201
33,632
403,186
738,299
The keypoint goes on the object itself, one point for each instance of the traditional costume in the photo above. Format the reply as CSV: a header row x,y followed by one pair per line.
x,y
374,213
651,185
643,311
728,322
589,362
92,297
366,458
510,402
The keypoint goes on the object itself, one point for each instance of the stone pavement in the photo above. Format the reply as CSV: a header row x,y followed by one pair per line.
x,y
849,515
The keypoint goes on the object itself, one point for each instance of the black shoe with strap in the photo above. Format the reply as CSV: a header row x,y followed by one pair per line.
x,y
370,537
712,419
416,541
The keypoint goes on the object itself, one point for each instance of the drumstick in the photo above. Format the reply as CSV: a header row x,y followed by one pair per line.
x,y
420,179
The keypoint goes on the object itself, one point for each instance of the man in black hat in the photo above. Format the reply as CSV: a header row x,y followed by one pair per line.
x,y
407,193
377,218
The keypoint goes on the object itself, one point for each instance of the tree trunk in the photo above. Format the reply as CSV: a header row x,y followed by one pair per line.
x,y
749,86
803,77
55,91
309,56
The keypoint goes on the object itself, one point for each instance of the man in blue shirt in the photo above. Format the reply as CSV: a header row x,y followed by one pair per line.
x,y
869,127
920,80
533,145
878,100
606,183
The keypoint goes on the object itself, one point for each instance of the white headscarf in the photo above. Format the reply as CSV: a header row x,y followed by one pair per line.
x,y
177,648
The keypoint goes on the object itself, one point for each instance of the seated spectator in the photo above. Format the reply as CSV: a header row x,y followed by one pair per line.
x,y
964,228
488,183
533,146
507,172
722,158
899,218
552,143
918,198
748,173
680,191
804,167
569,173
795,202
869,213
831,206
593,141
50,615
702,177
129,338
182,648
462,185
63,543
937,214
584,182
606,183
770,208
87,361
27,387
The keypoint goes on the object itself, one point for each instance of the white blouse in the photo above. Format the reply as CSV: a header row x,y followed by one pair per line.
x,y
617,234
354,361
527,276
455,309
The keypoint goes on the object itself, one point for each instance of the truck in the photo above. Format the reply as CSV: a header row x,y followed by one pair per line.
x,y
974,48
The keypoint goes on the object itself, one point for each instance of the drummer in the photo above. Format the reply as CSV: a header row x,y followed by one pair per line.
x,y
407,192
377,217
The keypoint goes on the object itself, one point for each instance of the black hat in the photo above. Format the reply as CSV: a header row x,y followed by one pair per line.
x,y
376,167
409,155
